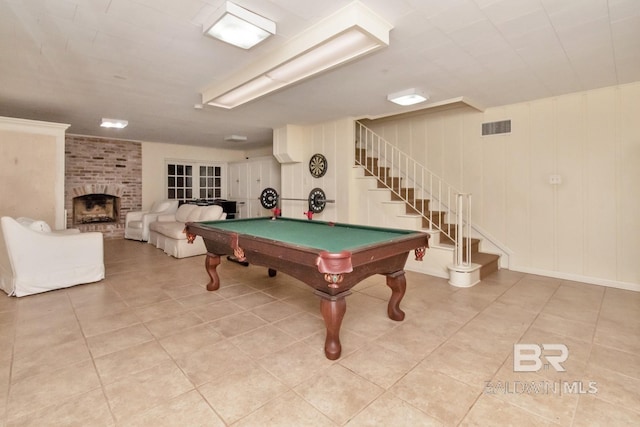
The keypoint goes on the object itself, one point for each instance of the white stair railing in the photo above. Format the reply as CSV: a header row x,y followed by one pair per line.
x,y
463,230
444,207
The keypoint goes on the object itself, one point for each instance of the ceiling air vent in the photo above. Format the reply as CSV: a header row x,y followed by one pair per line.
x,y
495,128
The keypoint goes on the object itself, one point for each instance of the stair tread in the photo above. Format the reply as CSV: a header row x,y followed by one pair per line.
x,y
483,257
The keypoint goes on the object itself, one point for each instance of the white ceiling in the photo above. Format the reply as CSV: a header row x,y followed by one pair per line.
x,y
145,61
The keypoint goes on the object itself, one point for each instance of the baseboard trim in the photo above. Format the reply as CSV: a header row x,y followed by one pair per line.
x,y
578,278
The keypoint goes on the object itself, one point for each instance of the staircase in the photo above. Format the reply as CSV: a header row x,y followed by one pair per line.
x,y
434,218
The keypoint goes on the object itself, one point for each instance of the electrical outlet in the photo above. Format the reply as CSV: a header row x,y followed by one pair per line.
x,y
555,179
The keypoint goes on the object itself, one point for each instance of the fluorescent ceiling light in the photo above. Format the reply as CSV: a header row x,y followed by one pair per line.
x,y
340,49
344,36
408,97
114,123
240,27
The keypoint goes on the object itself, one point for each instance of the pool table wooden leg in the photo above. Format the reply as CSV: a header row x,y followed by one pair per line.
x,y
333,311
211,262
398,284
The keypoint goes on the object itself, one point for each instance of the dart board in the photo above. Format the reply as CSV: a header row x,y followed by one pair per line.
x,y
318,165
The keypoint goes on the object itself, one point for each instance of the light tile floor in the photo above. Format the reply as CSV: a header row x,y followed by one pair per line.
x,y
149,346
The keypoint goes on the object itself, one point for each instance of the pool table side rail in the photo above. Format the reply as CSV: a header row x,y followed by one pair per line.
x,y
292,259
403,243
224,222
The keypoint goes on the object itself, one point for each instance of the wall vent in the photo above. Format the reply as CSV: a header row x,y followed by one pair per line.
x,y
495,128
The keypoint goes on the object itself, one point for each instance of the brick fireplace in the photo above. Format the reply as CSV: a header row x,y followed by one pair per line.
x,y
96,203
103,181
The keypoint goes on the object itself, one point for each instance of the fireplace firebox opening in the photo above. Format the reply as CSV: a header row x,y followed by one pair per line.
x,y
96,208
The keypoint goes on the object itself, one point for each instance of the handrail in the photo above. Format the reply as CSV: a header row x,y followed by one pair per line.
x,y
445,208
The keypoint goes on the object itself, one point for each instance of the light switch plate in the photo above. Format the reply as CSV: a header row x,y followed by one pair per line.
x,y
555,179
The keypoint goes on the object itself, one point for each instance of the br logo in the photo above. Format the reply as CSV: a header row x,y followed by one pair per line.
x,y
528,357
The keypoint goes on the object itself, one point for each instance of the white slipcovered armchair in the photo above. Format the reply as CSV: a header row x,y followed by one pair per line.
x,y
136,226
34,259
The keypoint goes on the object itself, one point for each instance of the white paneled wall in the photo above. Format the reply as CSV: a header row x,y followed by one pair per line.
x,y
247,180
586,228
627,174
335,140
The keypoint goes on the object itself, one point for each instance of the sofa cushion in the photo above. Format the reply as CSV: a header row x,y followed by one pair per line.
x,y
205,213
183,212
210,213
172,230
194,215
160,206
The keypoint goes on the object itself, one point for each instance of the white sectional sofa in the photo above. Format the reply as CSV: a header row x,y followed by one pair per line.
x,y
167,232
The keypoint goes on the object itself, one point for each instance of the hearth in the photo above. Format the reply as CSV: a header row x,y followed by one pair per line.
x,y
95,208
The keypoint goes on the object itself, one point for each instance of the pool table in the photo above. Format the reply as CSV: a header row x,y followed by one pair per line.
x,y
329,257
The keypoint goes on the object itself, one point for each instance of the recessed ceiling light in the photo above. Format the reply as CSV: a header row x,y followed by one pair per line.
x,y
408,97
114,123
235,138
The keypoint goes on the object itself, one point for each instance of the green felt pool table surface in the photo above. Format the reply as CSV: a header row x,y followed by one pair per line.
x,y
320,235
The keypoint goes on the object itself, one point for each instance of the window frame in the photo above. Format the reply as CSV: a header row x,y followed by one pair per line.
x,y
195,177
